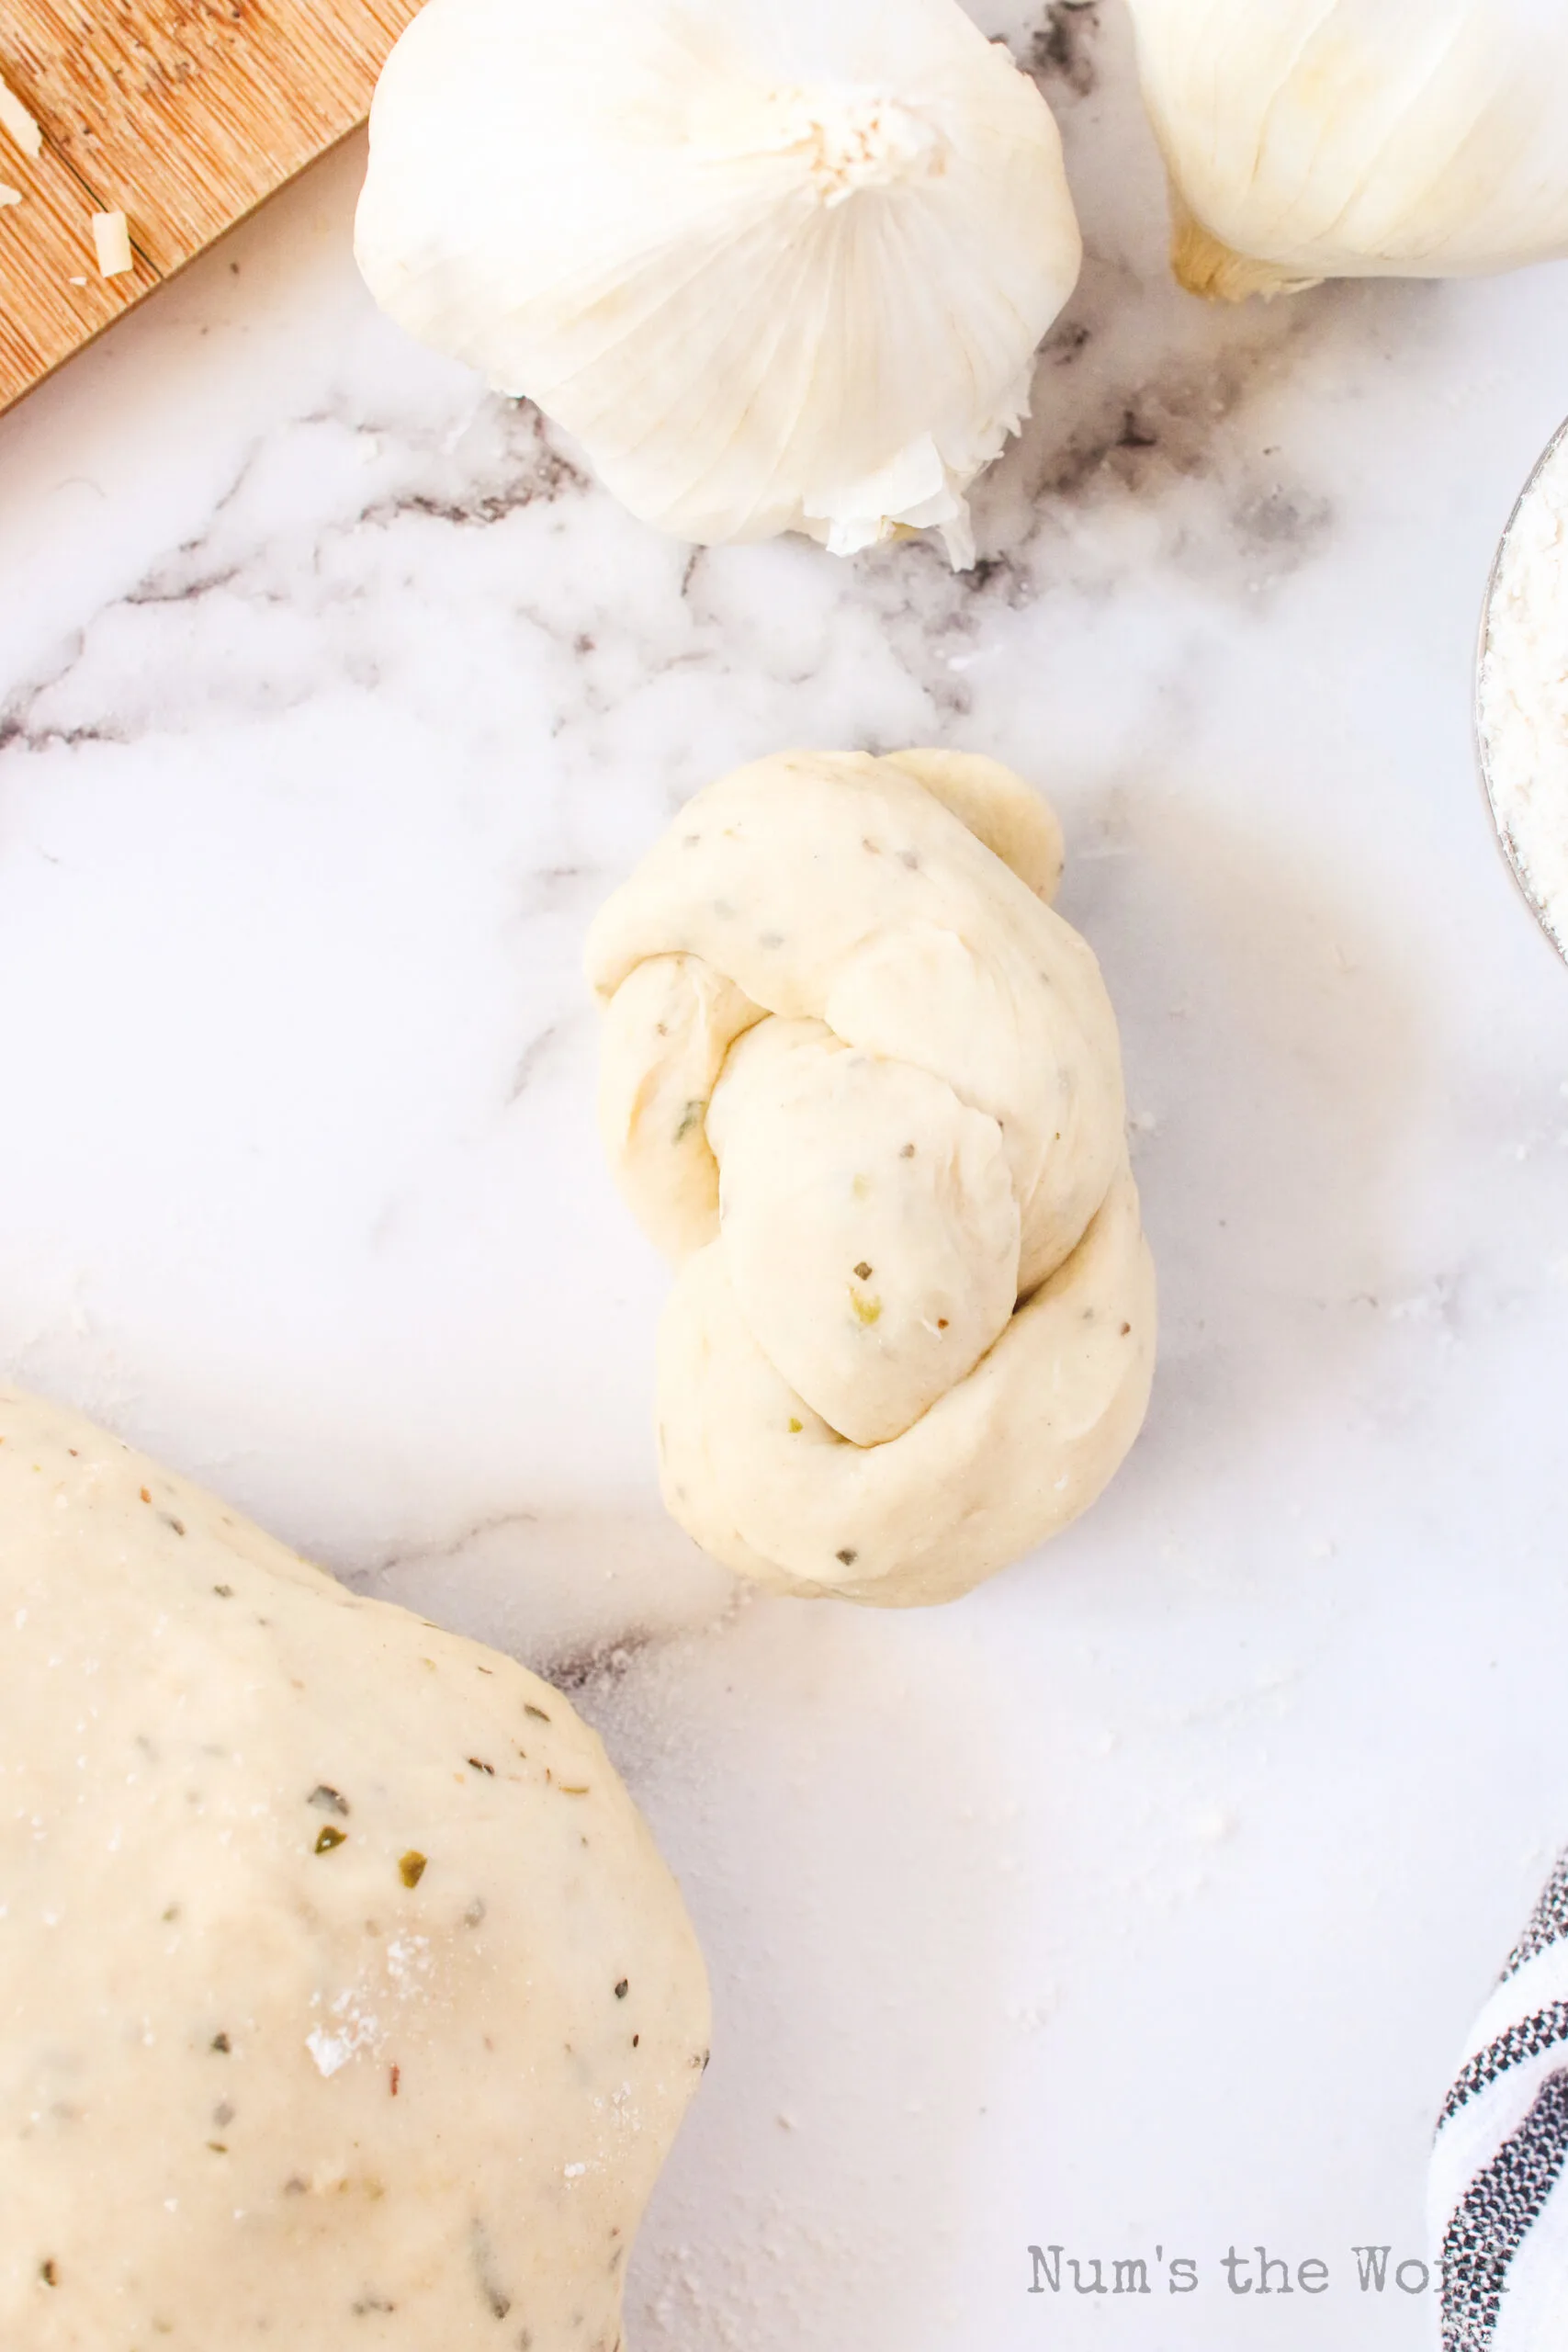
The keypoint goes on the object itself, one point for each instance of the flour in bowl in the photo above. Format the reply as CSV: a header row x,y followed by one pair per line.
x,y
1524,692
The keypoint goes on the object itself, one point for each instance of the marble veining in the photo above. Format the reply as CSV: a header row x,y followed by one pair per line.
x,y
1147,1895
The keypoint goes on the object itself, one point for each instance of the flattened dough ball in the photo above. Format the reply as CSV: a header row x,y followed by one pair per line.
x,y
864,1086
344,1999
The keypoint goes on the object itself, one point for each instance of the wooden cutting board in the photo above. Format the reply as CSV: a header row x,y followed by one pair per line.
x,y
182,114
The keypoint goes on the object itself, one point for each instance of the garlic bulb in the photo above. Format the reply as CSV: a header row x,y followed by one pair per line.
x,y
1313,138
776,264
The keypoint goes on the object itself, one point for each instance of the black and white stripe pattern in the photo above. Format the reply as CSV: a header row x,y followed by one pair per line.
x,y
1500,2169
1528,2039
1549,1921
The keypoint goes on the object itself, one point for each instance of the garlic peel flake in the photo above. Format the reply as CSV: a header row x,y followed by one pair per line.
x,y
1313,139
19,123
774,268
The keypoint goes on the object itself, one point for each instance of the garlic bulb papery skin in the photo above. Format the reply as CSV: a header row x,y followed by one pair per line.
x,y
1313,139
775,265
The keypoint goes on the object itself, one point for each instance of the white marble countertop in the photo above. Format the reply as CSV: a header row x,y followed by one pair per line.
x,y
1144,1898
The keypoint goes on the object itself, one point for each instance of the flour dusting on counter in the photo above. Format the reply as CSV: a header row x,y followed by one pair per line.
x,y
1524,692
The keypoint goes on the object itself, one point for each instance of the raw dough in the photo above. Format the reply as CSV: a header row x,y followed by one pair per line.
x,y
344,1999
864,1087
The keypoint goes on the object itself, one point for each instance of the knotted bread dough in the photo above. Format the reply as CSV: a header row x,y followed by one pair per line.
x,y
865,1088
343,1997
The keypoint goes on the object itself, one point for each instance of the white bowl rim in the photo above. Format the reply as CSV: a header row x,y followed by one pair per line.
x,y
1499,830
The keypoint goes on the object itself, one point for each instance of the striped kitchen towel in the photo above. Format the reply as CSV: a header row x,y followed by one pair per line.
x,y
1500,2169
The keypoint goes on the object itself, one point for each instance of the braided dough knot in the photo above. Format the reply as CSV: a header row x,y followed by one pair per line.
x,y
863,1087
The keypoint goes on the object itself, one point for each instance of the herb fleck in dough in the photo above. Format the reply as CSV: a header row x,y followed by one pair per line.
x,y
310,2032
